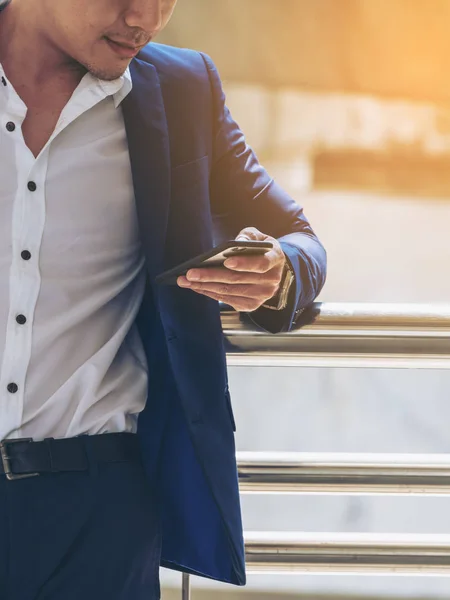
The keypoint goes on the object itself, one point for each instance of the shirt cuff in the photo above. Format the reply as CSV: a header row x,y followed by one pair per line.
x,y
279,301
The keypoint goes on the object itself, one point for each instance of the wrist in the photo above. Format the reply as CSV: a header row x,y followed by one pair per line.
x,y
280,299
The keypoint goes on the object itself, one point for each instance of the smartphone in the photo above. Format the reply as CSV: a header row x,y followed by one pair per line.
x,y
214,258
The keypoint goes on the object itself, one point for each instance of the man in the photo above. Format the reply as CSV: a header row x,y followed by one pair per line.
x,y
116,158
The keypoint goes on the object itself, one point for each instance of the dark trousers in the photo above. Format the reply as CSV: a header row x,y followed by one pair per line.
x,y
92,535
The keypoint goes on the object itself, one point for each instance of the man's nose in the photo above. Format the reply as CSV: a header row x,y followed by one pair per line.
x,y
145,14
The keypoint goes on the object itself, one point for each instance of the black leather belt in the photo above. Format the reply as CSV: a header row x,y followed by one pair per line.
x,y
21,458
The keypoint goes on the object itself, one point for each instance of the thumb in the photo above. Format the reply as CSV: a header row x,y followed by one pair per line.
x,y
248,234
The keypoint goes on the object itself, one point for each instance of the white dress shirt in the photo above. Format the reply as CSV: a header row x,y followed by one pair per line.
x,y
72,272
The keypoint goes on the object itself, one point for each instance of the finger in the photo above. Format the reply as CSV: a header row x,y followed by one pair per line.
x,y
238,303
258,292
256,264
224,276
251,233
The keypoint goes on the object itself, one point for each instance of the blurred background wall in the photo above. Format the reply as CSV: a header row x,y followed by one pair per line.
x,y
347,104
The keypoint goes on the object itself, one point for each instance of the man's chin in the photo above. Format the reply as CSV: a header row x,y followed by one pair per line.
x,y
108,73
106,67
108,76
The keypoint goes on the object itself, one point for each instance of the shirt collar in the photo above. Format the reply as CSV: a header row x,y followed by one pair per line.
x,y
118,88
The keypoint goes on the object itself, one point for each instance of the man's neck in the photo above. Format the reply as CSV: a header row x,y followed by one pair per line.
x,y
25,50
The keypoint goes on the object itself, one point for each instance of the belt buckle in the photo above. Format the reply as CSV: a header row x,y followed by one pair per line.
x,y
6,460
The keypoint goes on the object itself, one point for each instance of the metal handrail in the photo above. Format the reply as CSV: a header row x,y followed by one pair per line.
x,y
360,553
348,552
346,335
344,473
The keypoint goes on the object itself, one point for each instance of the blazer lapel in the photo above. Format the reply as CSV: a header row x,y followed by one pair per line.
x,y
148,143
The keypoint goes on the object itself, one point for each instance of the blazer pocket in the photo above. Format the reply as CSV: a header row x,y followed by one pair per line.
x,y
230,408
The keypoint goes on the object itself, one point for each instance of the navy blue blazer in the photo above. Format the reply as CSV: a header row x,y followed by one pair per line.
x,y
195,181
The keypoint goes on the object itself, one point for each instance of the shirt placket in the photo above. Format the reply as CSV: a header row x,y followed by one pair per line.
x,y
28,220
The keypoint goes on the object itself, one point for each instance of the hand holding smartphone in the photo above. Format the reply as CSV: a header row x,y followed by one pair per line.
x,y
215,258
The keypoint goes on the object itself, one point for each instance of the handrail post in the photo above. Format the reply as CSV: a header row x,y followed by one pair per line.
x,y
186,589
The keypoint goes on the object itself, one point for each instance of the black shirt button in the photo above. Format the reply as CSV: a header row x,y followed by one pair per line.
x,y
4,81
21,319
25,255
12,388
10,126
32,186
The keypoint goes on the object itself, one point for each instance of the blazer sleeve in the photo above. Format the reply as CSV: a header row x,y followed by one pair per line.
x,y
244,195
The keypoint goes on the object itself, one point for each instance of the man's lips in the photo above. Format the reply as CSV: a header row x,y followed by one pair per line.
x,y
122,49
